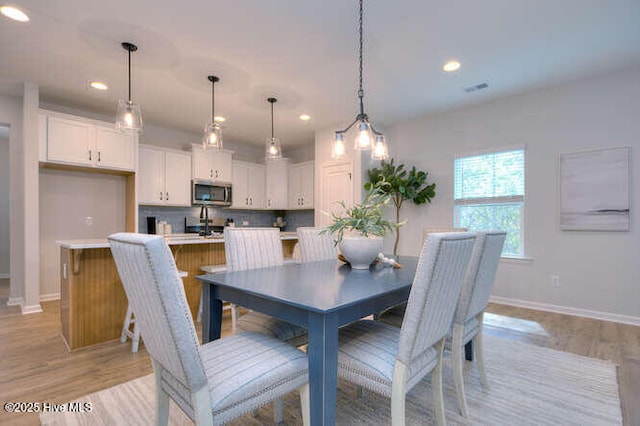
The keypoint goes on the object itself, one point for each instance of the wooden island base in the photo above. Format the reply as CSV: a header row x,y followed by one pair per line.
x,y
93,303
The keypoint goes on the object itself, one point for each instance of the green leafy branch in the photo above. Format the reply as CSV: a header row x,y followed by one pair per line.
x,y
366,217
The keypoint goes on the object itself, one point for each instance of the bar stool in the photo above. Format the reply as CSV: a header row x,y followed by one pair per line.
x,y
129,319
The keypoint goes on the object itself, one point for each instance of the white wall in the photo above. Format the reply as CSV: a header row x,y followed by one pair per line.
x,y
598,270
66,200
11,114
4,202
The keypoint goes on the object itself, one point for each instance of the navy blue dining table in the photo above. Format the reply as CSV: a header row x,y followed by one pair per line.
x,y
320,296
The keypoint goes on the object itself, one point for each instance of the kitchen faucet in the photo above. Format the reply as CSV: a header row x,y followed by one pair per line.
x,y
204,213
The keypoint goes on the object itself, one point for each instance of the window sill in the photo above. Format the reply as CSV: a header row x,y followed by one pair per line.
x,y
517,260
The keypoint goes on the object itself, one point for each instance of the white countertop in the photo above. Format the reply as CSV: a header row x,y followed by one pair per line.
x,y
171,239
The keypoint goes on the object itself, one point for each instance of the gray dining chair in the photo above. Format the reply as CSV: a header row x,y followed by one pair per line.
x,y
212,383
315,246
469,316
395,314
390,360
252,248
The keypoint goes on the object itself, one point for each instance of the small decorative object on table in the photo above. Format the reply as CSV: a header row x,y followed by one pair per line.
x,y
359,230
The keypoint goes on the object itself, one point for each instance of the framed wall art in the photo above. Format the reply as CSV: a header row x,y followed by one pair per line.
x,y
594,190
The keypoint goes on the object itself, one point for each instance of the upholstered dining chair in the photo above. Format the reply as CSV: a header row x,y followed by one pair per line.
x,y
251,248
314,246
468,320
390,360
395,314
212,383
427,231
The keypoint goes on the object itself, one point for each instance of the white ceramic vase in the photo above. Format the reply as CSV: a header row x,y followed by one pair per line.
x,y
360,251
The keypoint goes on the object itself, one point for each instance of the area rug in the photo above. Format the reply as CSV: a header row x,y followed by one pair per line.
x,y
528,385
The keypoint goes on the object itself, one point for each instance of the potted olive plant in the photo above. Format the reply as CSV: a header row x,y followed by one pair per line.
x,y
358,230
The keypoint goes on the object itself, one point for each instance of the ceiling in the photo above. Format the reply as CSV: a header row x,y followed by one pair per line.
x,y
305,54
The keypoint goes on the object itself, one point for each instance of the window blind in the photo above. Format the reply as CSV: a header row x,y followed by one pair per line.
x,y
487,176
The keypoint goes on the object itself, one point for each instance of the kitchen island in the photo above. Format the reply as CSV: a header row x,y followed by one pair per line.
x,y
93,303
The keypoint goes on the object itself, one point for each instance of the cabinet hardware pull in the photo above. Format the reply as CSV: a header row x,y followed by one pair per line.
x,y
246,201
167,196
161,195
210,172
98,156
89,155
251,201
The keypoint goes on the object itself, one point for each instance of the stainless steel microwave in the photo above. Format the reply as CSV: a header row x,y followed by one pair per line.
x,y
206,192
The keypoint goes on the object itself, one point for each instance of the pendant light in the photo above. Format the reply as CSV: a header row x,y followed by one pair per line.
x,y
364,139
213,131
128,116
273,150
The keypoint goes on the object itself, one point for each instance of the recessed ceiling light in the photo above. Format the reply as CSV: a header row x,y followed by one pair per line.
x,y
14,13
451,66
98,85
220,119
305,117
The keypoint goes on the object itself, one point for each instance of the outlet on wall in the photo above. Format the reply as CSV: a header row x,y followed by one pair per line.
x,y
245,223
89,221
554,280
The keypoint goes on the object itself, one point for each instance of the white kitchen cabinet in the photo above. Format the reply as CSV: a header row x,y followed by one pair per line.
x,y
81,142
164,177
115,149
211,164
301,186
248,185
277,180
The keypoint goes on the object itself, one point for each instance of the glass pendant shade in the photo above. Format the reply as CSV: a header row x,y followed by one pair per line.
x,y
380,150
128,116
363,137
338,146
273,149
212,136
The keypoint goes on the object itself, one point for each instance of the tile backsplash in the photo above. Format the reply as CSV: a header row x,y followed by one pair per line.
x,y
253,218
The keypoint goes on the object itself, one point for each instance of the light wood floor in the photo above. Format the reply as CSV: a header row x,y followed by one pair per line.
x,y
35,365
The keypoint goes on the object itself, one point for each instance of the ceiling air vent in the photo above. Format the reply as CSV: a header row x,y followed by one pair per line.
x,y
476,87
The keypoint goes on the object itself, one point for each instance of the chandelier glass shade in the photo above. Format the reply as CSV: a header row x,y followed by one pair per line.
x,y
366,137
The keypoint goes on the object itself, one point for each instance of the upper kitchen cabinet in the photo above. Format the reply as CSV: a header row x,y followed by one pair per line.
x,y
248,185
164,177
211,164
76,141
301,186
277,191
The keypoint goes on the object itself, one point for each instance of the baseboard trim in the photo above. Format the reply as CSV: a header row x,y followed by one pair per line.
x,y
15,301
31,309
49,297
567,310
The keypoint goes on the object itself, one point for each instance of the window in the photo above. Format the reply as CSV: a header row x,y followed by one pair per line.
x,y
489,195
